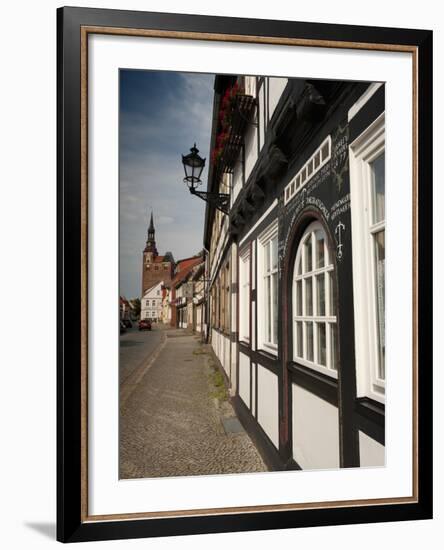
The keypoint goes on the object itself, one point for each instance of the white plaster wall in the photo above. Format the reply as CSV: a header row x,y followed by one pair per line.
x,y
244,378
267,403
315,431
253,385
237,180
250,150
214,342
371,452
226,362
276,87
261,116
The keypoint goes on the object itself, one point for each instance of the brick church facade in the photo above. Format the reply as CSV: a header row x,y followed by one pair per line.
x,y
155,268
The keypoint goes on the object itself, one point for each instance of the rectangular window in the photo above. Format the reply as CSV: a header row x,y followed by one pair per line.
x,y
367,194
226,290
268,308
244,295
309,169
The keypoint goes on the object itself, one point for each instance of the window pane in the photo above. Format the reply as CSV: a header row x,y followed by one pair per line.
x,y
298,297
310,168
309,329
332,289
322,346
380,299
333,346
274,253
299,348
324,151
275,308
307,253
378,188
320,260
299,267
308,297
267,256
320,294
268,316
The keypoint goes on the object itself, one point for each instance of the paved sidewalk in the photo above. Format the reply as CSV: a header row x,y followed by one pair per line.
x,y
177,421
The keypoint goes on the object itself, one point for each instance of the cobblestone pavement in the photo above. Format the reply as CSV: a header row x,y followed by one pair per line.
x,y
177,421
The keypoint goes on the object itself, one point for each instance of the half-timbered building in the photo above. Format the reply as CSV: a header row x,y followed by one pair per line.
x,y
296,268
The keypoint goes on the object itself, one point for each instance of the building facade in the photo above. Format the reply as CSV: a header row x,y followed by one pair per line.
x,y
297,267
183,291
151,303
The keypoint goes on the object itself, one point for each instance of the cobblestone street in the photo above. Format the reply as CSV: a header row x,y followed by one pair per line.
x,y
175,418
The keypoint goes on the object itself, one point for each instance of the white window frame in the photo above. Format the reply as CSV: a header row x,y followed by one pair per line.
x,y
317,160
366,148
244,294
262,315
329,318
250,85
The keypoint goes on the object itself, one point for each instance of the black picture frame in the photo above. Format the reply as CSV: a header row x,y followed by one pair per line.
x,y
72,521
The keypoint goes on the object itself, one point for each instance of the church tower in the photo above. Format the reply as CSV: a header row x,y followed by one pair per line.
x,y
150,251
155,268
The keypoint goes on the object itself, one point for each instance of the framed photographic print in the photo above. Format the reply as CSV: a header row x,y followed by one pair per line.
x,y
244,284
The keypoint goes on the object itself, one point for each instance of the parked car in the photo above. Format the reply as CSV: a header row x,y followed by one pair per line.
x,y
127,323
144,324
122,327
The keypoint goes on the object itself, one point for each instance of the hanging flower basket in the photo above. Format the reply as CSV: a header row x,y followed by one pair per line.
x,y
235,111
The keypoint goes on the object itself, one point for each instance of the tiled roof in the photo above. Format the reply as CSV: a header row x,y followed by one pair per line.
x,y
186,269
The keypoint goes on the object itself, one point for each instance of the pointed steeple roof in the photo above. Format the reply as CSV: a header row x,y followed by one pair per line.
x,y
151,240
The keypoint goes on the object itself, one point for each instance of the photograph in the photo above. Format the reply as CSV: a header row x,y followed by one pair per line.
x,y
251,274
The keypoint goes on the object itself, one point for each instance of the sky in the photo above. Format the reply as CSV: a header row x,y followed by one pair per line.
x,y
162,114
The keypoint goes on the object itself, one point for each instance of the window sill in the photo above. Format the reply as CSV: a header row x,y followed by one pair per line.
x,y
371,409
329,373
269,351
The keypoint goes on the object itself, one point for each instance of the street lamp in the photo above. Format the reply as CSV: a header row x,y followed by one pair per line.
x,y
193,165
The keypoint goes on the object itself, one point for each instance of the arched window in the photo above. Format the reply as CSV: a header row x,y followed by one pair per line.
x,y
314,303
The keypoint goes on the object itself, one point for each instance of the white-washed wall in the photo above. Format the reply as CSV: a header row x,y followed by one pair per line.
x,y
261,102
244,378
226,363
237,180
315,431
371,452
253,386
253,305
250,150
268,404
221,347
276,87
199,319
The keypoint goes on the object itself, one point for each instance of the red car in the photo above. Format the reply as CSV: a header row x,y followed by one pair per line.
x,y
144,324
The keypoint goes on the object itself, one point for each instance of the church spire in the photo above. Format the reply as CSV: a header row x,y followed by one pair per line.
x,y
151,240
